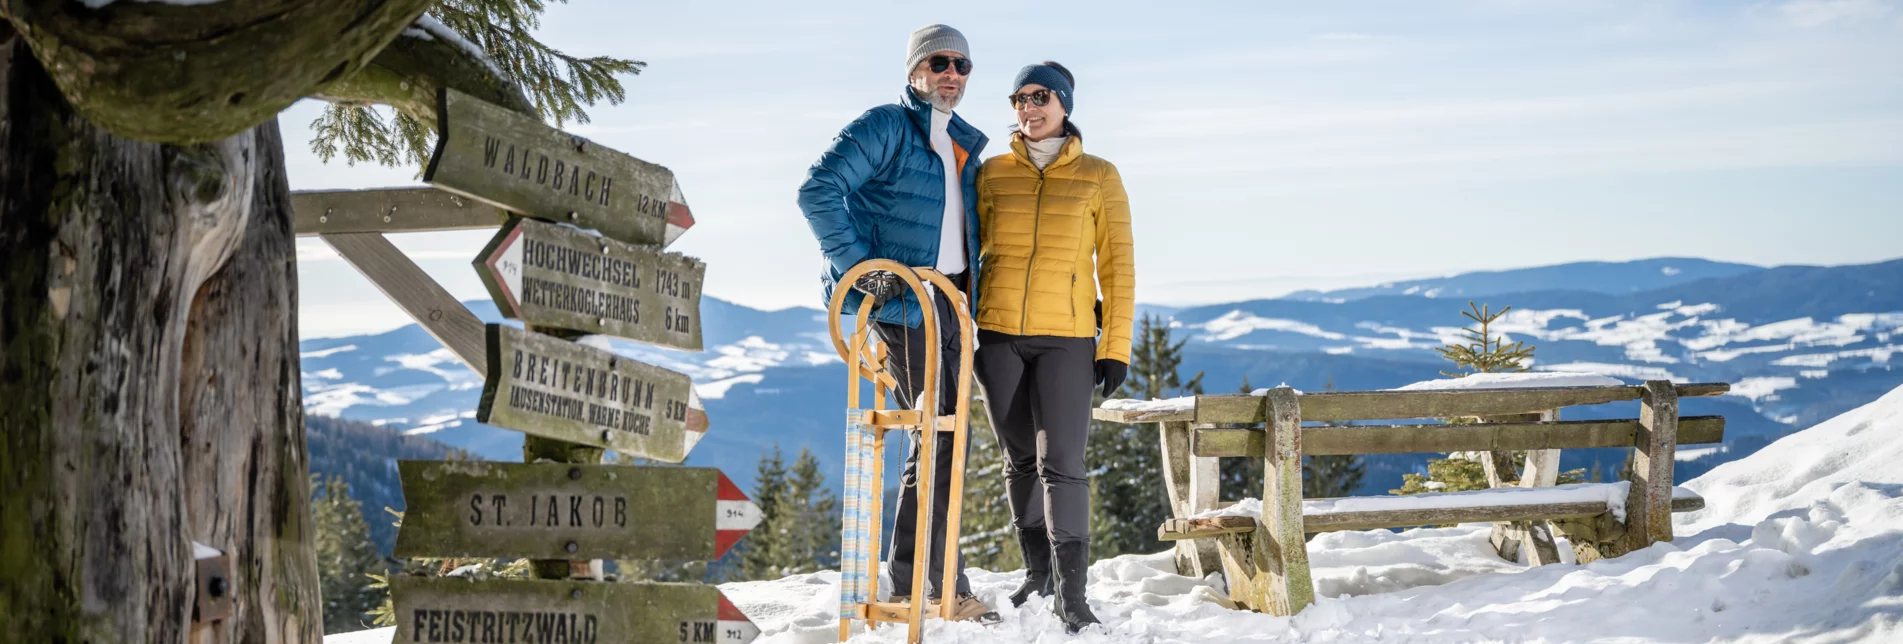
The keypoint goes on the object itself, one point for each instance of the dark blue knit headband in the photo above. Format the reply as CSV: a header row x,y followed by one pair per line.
x,y
1050,78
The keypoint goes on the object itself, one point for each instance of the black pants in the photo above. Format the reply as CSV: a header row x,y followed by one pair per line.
x,y
1037,390
905,354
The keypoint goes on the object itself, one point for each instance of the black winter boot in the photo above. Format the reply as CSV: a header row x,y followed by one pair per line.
x,y
1072,570
1036,543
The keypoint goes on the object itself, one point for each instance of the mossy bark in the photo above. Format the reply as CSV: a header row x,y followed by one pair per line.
x,y
149,367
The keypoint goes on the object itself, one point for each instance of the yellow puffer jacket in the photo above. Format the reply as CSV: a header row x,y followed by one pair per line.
x,y
1048,241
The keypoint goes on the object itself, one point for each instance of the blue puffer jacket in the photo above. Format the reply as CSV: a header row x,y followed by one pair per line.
x,y
879,192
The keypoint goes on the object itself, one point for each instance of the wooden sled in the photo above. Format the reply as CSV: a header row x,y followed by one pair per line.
x,y
865,449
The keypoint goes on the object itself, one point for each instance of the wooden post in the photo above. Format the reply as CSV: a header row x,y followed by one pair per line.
x,y
1648,506
1279,547
409,287
1541,465
1191,483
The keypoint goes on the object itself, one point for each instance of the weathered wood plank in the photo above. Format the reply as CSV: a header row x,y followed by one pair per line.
x,y
447,609
409,287
1422,438
565,511
1281,539
389,210
553,276
1184,529
1384,405
1131,417
1648,512
1191,487
1337,521
551,387
516,162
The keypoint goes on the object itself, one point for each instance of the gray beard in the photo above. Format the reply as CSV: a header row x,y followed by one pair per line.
x,y
938,103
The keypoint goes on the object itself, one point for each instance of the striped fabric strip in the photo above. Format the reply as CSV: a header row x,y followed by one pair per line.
x,y
854,582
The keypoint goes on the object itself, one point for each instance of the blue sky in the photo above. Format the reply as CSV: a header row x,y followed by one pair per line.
x,y
1269,146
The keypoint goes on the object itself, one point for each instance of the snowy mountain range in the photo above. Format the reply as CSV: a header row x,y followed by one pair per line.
x,y
1799,344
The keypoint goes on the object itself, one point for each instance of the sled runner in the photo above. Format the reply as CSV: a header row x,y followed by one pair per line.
x,y
866,442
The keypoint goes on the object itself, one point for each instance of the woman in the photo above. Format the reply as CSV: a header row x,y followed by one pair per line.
x,y
1054,227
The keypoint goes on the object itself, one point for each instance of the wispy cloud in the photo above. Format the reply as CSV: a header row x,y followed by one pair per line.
x,y
1817,13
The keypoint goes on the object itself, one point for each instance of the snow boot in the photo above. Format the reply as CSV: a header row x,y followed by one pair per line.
x,y
1072,570
1036,544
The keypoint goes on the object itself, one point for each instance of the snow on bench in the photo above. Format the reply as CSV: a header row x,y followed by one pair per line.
x,y
1439,508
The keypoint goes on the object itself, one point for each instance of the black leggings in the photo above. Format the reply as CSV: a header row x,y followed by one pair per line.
x,y
1037,392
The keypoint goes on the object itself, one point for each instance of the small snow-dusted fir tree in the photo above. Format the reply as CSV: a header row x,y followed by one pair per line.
x,y
346,557
1484,352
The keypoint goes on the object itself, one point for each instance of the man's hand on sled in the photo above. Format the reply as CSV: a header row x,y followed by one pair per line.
x,y
879,285
1110,374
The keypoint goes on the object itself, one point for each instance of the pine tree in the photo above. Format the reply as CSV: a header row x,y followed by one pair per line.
x,y
346,557
813,532
1127,475
557,84
986,535
1485,353
763,553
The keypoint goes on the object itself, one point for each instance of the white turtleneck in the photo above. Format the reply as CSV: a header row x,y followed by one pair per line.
x,y
951,232
1045,151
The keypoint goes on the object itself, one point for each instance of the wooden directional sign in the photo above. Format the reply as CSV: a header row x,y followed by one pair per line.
x,y
551,387
550,275
567,511
448,610
517,163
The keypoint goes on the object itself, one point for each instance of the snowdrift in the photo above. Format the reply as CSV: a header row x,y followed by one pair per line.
x,y
1802,541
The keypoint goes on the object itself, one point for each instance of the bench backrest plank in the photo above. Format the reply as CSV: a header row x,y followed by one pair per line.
x,y
1385,405
1422,438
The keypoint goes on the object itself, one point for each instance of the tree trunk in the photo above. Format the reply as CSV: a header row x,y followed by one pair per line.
x,y
149,369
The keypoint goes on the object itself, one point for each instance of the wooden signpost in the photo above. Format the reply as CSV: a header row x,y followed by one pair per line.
x,y
601,273
449,610
519,164
564,511
554,276
547,386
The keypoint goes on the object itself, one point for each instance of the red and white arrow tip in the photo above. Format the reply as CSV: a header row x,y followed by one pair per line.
x,y
734,515
735,628
679,216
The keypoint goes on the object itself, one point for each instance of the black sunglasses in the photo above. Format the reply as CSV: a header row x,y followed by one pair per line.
x,y
939,63
1039,98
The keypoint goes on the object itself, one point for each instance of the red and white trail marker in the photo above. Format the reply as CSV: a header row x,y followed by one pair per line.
x,y
735,515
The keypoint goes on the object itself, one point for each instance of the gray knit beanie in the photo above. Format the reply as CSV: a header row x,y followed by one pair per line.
x,y
931,39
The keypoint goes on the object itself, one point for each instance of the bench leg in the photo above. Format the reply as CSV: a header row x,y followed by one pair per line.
x,y
1191,483
1648,505
1279,551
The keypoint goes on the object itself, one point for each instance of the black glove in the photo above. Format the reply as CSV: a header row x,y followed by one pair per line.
x,y
879,285
1110,374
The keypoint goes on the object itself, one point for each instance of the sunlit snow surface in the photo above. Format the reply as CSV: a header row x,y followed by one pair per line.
x,y
1802,541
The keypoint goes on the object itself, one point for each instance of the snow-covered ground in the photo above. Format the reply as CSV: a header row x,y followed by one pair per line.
x,y
1802,541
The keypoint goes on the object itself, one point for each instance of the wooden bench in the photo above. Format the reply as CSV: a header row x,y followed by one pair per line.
x,y
1266,561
